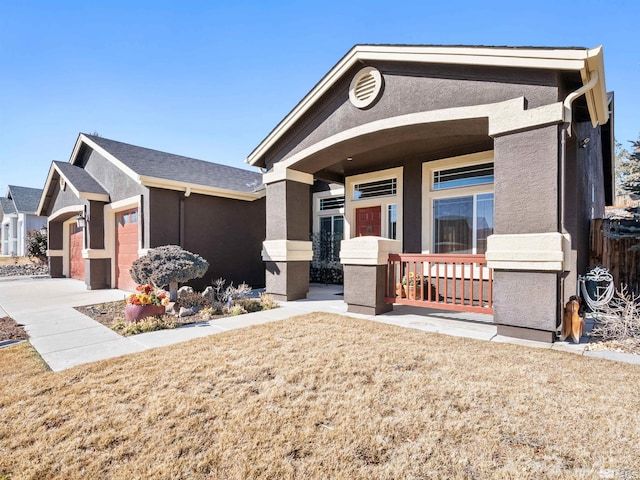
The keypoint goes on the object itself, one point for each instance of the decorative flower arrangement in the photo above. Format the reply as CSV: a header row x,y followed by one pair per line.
x,y
147,296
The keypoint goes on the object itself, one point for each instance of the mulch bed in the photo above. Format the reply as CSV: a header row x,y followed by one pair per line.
x,y
10,330
110,313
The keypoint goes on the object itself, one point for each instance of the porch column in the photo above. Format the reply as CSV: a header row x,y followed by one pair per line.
x,y
527,252
365,273
287,249
97,263
55,232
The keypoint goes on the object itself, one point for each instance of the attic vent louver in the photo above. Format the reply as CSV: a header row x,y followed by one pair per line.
x,y
365,87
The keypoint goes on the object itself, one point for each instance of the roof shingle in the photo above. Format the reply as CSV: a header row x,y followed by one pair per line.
x,y
25,199
79,178
153,163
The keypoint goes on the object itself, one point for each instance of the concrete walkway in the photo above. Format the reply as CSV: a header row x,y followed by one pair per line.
x,y
65,337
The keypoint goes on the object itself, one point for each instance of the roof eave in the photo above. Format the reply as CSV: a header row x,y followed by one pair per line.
x,y
101,197
166,184
555,59
45,190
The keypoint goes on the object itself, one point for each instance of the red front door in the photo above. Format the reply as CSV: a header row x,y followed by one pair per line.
x,y
368,221
76,262
126,247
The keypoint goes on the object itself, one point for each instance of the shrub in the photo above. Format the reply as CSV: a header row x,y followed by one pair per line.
x,y
225,296
37,245
188,299
620,319
168,265
236,310
148,324
267,301
250,304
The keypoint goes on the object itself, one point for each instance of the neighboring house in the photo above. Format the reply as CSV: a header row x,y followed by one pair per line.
x,y
113,201
480,166
18,213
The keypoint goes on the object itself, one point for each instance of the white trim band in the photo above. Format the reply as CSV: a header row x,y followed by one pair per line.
x,y
532,251
287,251
368,250
278,174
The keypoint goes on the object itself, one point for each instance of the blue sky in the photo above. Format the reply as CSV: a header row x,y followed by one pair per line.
x,y
210,80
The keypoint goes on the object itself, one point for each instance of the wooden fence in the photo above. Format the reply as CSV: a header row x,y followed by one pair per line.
x,y
616,246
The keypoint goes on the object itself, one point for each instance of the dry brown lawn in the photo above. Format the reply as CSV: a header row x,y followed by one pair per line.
x,y
321,396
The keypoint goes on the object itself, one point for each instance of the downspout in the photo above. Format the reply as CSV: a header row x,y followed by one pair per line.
x,y
565,130
187,193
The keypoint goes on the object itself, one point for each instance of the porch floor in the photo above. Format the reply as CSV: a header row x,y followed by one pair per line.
x,y
329,298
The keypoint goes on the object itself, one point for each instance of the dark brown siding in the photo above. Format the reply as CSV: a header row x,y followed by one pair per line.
x,y
227,233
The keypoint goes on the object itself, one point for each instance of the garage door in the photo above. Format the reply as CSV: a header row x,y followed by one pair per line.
x,y
76,262
126,247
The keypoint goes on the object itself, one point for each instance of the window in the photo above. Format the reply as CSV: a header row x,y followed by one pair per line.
x,y
331,233
379,188
329,203
462,224
463,176
392,221
458,204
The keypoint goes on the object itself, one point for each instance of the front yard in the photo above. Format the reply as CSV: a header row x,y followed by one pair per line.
x,y
321,396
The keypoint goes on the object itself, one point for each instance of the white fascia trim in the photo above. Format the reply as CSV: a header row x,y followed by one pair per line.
x,y
84,139
45,190
102,197
190,188
282,173
287,251
561,59
65,210
55,253
368,250
532,251
597,98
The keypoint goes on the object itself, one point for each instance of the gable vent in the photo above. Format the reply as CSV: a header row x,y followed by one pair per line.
x,y
365,87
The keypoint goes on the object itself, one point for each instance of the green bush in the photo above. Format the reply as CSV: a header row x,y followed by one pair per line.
x,y
37,245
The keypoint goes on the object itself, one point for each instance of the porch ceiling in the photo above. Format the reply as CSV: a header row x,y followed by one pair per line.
x,y
381,149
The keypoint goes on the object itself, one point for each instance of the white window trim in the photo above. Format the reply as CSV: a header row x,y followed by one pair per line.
x,y
317,213
429,194
383,201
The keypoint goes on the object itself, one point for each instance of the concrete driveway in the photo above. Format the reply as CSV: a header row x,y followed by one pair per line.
x,y
63,336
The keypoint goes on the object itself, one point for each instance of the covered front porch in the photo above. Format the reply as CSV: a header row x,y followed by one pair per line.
x,y
453,177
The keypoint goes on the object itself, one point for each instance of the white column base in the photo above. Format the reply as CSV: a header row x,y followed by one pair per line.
x,y
287,251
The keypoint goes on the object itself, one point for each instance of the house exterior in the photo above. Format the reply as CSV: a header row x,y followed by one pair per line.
x,y
112,201
18,214
469,177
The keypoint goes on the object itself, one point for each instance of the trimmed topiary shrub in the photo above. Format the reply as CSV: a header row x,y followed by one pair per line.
x,y
168,265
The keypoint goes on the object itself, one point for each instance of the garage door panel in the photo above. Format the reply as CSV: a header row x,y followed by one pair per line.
x,y
76,243
126,247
